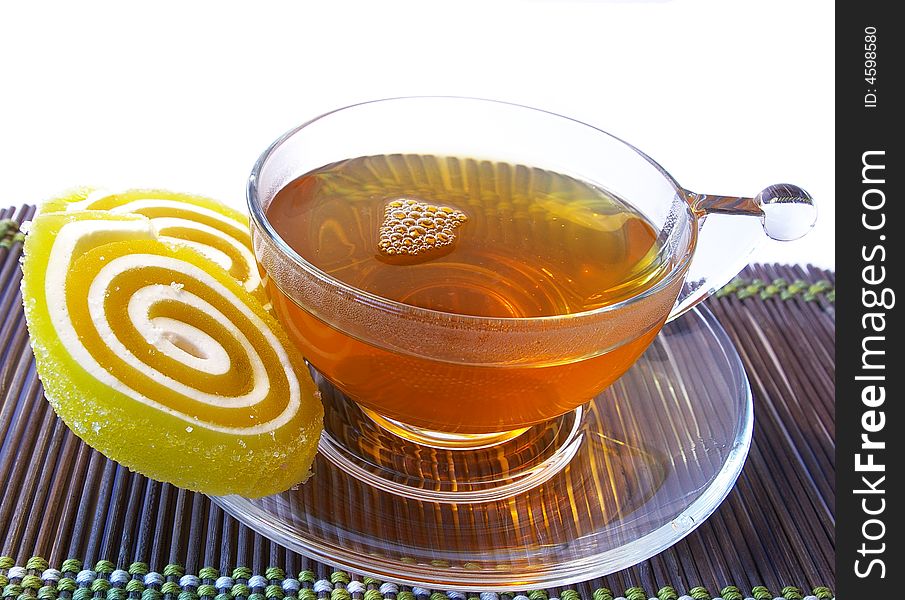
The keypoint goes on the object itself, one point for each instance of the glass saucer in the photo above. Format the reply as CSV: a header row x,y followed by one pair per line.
x,y
595,491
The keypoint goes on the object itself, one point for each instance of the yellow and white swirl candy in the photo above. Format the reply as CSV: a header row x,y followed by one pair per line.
x,y
158,358
215,230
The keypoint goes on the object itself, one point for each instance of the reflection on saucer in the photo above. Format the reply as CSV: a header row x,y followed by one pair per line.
x,y
587,494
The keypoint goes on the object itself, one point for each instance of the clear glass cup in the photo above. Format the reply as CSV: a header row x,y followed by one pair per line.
x,y
486,380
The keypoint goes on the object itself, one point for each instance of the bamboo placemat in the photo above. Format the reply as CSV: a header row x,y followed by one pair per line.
x,y
74,525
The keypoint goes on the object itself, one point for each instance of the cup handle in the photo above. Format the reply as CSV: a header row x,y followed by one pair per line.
x,y
784,212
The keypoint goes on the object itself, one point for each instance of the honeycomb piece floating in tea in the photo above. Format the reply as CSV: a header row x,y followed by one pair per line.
x,y
160,359
411,228
217,231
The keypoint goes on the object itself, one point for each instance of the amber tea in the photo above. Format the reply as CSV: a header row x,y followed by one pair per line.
x,y
468,237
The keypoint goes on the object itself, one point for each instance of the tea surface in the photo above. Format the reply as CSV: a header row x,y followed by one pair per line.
x,y
467,236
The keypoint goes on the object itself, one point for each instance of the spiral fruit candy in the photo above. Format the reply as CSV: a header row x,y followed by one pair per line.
x,y
215,230
159,359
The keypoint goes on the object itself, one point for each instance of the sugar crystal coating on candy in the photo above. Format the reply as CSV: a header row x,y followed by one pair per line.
x,y
158,358
217,231
412,227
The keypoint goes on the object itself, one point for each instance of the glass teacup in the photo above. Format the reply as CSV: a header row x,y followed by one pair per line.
x,y
451,380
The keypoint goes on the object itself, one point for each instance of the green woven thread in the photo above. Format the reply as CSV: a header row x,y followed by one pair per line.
x,y
71,565
794,288
173,570
778,288
47,592
340,594
821,287
240,589
372,595
206,589
256,596
405,595
600,594
306,576
208,573
100,585
667,593
307,594
699,593
572,595
37,563
753,287
340,577
242,573
274,573
730,592
12,589
438,596
135,586
187,595
824,593
539,595
9,235
759,592
138,568
791,593
82,593
115,593
151,594
775,287
273,590
6,562
635,593
31,582
104,567
170,587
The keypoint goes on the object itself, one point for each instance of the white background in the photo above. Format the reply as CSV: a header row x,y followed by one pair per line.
x,y
728,96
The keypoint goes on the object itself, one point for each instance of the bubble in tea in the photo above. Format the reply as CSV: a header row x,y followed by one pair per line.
x,y
416,228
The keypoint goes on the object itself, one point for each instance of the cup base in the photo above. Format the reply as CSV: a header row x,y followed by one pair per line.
x,y
441,439
443,467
